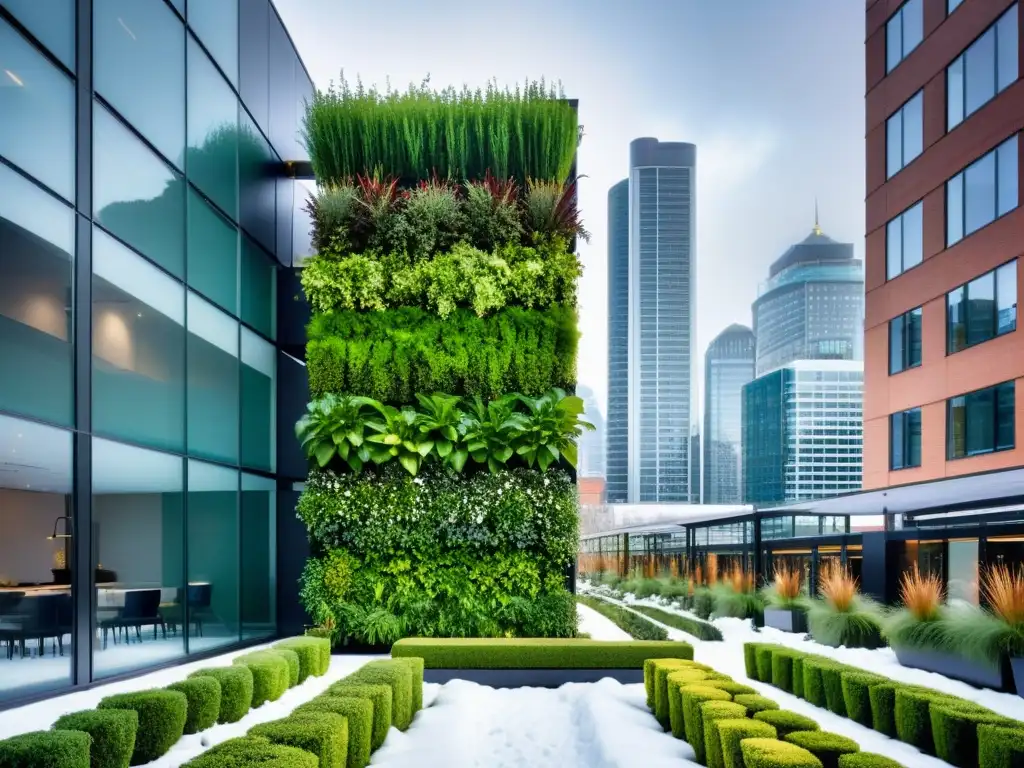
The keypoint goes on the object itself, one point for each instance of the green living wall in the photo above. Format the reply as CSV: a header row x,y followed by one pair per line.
x,y
441,354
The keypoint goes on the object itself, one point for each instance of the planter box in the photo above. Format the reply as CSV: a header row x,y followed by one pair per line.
x,y
1017,666
531,678
995,676
786,619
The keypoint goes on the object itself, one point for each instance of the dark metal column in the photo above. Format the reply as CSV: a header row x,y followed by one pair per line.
x,y
756,543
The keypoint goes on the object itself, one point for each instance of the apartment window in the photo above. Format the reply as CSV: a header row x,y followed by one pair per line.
x,y
904,135
952,5
905,439
986,68
980,421
982,309
982,192
905,341
904,245
903,33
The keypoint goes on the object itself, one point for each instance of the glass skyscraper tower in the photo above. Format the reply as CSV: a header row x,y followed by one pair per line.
x,y
617,434
728,366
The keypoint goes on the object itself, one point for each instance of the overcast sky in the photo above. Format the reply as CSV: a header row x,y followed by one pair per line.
x,y
770,91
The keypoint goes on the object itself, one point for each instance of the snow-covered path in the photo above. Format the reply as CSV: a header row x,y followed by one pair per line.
x,y
597,626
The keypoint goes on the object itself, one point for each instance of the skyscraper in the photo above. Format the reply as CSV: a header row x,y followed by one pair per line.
x,y
812,305
616,436
662,325
591,461
728,365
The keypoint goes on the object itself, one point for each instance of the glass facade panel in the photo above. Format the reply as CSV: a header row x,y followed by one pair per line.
x,y
1006,298
905,341
36,262
983,309
259,396
35,550
215,22
138,532
1006,175
213,556
981,300
258,289
955,93
962,575
257,182
979,193
1007,49
904,241
52,22
903,33
986,68
982,192
259,556
981,421
905,439
212,253
139,68
37,101
212,382
212,132
955,209
136,195
980,71
138,336
904,134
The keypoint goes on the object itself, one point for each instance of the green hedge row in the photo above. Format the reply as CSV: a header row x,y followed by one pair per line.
x,y
702,630
956,730
139,727
636,625
535,653
730,726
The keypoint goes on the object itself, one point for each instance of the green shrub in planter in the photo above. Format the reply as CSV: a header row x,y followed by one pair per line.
x,y
292,659
782,670
269,675
236,684
308,651
323,734
662,669
203,694
764,662
827,747
867,760
798,674
676,681
113,735
913,719
814,686
252,751
1000,746
162,717
415,664
832,682
785,721
955,730
358,712
730,686
691,698
397,675
755,702
732,732
857,694
713,712
771,753
46,749
378,695
750,660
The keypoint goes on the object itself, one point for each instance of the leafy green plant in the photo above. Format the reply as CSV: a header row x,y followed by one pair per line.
x,y
551,207
440,419
336,426
551,427
398,435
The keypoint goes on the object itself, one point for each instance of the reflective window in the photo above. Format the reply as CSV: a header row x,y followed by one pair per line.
x,y
904,241
257,174
982,192
136,195
139,556
212,556
36,247
52,22
138,336
258,289
259,556
212,253
905,341
981,421
952,5
905,439
981,310
139,66
212,132
904,134
37,101
212,382
987,67
962,578
35,552
215,23
903,33
259,415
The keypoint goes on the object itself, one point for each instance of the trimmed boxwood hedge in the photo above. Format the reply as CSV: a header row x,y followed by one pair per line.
x,y
310,653
702,630
713,712
825,746
691,698
883,708
662,703
798,675
755,702
771,753
252,751
814,685
203,694
1000,746
537,653
731,687
358,713
162,717
379,697
750,660
763,657
46,749
236,686
867,760
733,731
832,683
292,659
676,680
324,734
112,731
955,730
270,675
857,694
649,674
396,674
913,720
415,664
782,670
786,722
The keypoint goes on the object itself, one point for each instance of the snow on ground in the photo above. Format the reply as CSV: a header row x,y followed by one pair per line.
x,y
597,626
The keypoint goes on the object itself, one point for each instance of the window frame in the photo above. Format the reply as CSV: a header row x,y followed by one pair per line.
x,y
904,51
966,306
960,178
1008,390
901,113
901,216
905,341
952,5
961,61
903,417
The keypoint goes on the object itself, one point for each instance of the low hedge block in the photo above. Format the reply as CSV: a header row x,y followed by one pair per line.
x,y
308,649
782,670
537,653
731,687
955,731
112,731
323,734
814,686
732,732
832,682
913,719
252,751
203,695
798,675
662,669
379,697
358,713
755,702
415,664
867,760
771,753
397,675
883,708
827,747
764,656
236,686
270,675
1000,746
712,713
162,716
677,680
650,665
786,722
46,749
857,694
292,659
750,659
691,698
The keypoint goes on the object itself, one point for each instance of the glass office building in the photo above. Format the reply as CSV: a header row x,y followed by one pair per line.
x,y
145,223
617,436
728,366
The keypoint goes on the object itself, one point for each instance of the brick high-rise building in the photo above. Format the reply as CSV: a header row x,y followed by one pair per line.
x,y
945,105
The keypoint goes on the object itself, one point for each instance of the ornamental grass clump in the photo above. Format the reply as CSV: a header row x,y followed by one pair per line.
x,y
786,590
919,622
842,616
735,597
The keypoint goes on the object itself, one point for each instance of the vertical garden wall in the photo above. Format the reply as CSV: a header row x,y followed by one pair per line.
x,y
442,346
